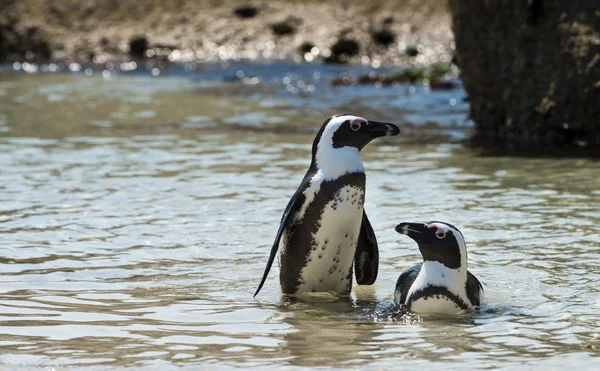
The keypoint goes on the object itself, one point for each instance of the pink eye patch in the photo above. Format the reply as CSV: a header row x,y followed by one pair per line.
x,y
357,123
440,232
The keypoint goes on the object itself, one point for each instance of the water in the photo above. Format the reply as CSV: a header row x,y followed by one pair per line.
x,y
137,213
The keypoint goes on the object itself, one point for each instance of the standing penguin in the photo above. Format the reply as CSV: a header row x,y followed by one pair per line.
x,y
324,228
442,283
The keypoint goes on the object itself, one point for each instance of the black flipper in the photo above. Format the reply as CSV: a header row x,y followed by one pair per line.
x,y
474,289
405,281
293,205
366,257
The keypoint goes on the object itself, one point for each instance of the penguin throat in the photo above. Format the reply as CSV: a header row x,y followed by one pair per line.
x,y
335,162
437,274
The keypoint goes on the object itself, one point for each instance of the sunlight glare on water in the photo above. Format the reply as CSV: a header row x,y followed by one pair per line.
x,y
129,246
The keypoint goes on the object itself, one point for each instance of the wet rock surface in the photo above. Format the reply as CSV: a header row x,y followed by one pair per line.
x,y
16,38
531,70
343,50
100,31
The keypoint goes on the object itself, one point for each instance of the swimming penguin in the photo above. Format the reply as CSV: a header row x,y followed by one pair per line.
x,y
324,228
441,284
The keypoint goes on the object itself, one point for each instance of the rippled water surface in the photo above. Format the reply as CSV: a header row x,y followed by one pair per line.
x,y
137,213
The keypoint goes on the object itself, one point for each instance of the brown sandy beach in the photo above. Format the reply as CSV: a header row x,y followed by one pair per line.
x,y
414,32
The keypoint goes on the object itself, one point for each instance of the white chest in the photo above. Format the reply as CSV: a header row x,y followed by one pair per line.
x,y
435,304
434,274
329,263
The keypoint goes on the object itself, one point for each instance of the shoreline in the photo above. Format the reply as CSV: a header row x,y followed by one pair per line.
x,y
380,33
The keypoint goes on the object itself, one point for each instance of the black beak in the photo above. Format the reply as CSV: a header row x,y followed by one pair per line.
x,y
416,231
381,129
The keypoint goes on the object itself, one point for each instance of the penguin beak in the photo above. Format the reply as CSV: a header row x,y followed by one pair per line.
x,y
381,129
416,231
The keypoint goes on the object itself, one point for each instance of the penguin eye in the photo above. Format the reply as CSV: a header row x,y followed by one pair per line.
x,y
440,235
355,125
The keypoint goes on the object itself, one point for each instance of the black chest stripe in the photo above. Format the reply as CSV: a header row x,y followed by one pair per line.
x,y
299,235
432,291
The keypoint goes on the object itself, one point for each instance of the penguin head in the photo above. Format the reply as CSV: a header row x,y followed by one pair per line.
x,y
341,138
438,241
352,131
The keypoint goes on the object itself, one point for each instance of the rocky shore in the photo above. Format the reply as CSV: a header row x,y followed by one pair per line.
x,y
378,33
532,72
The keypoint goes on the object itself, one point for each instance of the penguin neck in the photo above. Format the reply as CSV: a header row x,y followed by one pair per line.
x,y
332,163
434,273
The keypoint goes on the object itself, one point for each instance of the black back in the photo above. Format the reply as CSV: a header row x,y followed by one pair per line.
x,y
405,281
292,208
474,289
294,204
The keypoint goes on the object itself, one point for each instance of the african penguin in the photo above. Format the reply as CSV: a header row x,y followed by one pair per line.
x,y
324,228
441,284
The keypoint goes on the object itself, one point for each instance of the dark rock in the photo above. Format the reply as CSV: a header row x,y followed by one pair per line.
x,y
454,61
246,11
306,47
283,28
412,51
345,46
388,20
30,43
383,37
435,75
342,49
345,80
535,72
443,85
35,41
138,46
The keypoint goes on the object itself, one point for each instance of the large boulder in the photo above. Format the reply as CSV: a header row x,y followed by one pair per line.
x,y
531,70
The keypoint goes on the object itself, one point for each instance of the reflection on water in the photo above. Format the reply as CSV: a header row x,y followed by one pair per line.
x,y
127,246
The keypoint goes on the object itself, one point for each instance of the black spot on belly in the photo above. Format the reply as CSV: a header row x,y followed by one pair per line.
x,y
300,240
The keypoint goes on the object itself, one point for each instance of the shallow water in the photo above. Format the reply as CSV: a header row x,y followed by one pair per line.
x,y
137,213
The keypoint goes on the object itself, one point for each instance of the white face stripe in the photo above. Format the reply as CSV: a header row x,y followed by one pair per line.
x,y
335,162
